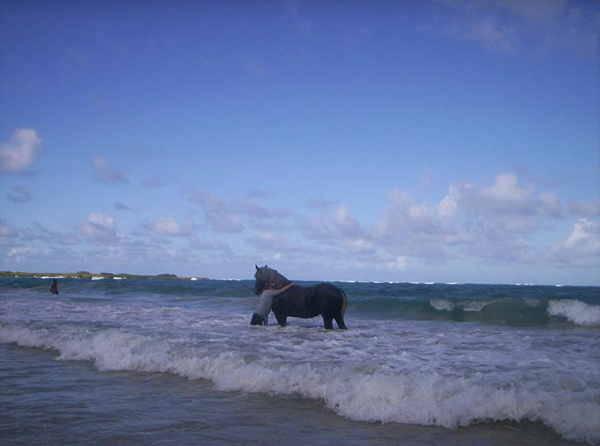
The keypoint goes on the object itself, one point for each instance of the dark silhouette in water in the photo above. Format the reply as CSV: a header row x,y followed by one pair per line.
x,y
301,301
54,287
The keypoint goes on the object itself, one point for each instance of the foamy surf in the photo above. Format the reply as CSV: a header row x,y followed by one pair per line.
x,y
575,311
399,390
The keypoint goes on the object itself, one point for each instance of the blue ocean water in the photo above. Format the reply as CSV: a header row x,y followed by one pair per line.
x,y
163,361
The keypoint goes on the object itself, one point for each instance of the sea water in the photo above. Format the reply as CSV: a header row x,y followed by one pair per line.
x,y
176,362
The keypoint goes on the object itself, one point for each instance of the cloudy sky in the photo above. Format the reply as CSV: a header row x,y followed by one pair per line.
x,y
451,140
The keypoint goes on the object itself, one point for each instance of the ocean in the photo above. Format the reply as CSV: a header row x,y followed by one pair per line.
x,y
159,362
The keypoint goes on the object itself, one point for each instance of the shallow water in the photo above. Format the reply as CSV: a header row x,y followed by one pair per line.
x,y
166,362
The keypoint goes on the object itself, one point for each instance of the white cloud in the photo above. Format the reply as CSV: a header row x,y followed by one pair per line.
x,y
318,228
233,216
584,209
506,191
505,220
345,222
165,226
20,152
399,263
495,222
506,206
250,207
217,213
7,231
204,244
104,171
225,222
274,242
408,228
168,227
583,242
100,229
21,253
493,36
360,246
533,27
585,237
337,227
37,231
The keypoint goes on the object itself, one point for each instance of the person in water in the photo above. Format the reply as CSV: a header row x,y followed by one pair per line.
x,y
54,287
266,300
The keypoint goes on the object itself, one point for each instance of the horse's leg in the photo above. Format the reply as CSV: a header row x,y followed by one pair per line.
x,y
281,320
328,321
340,322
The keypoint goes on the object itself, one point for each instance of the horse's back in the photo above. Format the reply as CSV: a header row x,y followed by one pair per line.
x,y
298,301
331,297
309,301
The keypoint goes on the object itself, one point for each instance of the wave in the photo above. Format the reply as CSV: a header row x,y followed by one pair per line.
x,y
507,311
495,304
467,305
355,392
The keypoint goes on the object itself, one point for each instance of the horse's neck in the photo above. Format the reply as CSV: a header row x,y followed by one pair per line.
x,y
279,280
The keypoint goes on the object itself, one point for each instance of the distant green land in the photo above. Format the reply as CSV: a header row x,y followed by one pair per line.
x,y
88,275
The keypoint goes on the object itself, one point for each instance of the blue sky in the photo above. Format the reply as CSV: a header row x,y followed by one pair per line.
x,y
452,141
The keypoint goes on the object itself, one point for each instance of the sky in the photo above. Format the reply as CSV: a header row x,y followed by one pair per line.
x,y
446,141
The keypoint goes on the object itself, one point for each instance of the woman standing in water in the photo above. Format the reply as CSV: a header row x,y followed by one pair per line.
x,y
261,314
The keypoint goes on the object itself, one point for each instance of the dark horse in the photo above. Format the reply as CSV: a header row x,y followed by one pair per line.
x,y
301,301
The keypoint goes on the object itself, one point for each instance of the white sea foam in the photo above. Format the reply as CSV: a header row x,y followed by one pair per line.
x,y
441,304
575,311
352,390
97,278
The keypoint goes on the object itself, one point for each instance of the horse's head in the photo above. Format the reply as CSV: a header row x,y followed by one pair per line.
x,y
261,278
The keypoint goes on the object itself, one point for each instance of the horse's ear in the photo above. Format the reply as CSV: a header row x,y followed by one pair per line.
x,y
256,266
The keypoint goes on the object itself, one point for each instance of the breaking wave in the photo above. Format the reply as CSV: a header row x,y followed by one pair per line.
x,y
507,311
575,311
355,391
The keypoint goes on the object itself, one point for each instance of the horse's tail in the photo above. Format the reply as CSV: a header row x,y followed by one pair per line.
x,y
344,303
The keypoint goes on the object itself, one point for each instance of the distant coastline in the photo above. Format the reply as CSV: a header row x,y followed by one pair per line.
x,y
103,275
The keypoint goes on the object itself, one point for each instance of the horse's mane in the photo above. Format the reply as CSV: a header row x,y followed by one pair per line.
x,y
276,278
